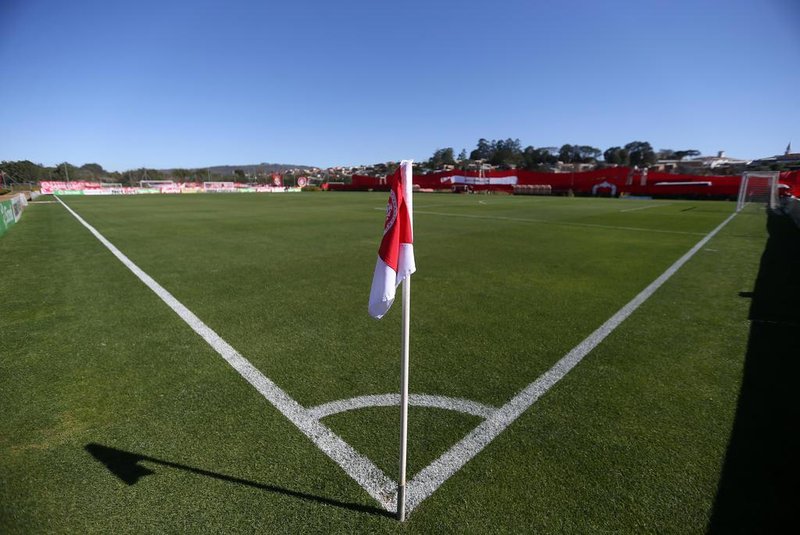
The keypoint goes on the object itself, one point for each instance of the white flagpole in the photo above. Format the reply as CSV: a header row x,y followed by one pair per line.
x,y
406,173
401,489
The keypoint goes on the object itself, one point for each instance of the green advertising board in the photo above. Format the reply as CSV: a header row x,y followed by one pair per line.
x,y
68,192
6,216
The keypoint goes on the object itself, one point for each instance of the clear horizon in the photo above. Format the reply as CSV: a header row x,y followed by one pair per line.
x,y
200,84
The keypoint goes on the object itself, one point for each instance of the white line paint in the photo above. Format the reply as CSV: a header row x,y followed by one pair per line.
x,y
358,467
464,406
432,476
644,207
563,223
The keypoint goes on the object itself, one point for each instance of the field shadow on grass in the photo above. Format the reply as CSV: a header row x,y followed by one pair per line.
x,y
125,465
758,489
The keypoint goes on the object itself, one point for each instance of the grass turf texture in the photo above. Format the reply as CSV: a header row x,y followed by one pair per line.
x,y
633,439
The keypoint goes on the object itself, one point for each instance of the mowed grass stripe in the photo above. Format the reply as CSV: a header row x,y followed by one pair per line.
x,y
249,276
632,440
557,468
566,223
497,382
90,356
427,481
361,469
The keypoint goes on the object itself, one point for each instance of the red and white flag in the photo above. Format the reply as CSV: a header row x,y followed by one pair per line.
x,y
396,254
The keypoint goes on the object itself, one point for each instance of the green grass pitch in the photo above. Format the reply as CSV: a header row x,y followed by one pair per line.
x,y
633,439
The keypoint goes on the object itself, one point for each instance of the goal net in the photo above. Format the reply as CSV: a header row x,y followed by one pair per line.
x,y
758,189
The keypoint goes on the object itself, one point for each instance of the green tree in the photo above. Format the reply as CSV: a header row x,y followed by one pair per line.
x,y
539,158
94,170
507,153
688,153
66,172
578,154
669,154
616,156
442,157
24,171
484,151
568,153
640,153
588,154
181,174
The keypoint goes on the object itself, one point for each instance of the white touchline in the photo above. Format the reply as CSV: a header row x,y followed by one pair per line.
x,y
362,470
436,473
644,207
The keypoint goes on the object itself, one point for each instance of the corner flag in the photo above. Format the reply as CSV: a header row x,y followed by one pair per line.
x,y
395,265
396,254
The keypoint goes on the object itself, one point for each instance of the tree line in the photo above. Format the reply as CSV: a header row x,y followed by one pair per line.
x,y
500,153
25,171
509,153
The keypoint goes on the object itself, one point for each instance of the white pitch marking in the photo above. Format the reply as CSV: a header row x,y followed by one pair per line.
x,y
361,469
645,207
390,400
436,473
564,223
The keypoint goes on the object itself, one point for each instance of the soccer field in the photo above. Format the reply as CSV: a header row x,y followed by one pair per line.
x,y
118,416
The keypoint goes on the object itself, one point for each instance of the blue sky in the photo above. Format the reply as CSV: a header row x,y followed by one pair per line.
x,y
191,84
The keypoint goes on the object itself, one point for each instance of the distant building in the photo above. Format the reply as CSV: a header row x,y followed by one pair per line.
x,y
720,163
787,160
562,167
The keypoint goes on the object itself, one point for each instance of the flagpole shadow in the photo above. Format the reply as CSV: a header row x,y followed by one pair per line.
x,y
125,466
758,488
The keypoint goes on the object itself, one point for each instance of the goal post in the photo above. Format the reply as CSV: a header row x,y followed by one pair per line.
x,y
758,188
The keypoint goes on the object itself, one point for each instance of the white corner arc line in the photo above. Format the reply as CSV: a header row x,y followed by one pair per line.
x,y
464,406
359,468
436,473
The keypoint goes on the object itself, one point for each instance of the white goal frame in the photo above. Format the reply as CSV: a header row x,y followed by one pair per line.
x,y
761,187
156,183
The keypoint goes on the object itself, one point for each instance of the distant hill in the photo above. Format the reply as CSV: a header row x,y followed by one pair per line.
x,y
227,170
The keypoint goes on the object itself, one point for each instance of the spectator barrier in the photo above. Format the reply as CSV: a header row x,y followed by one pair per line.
x,y
612,181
